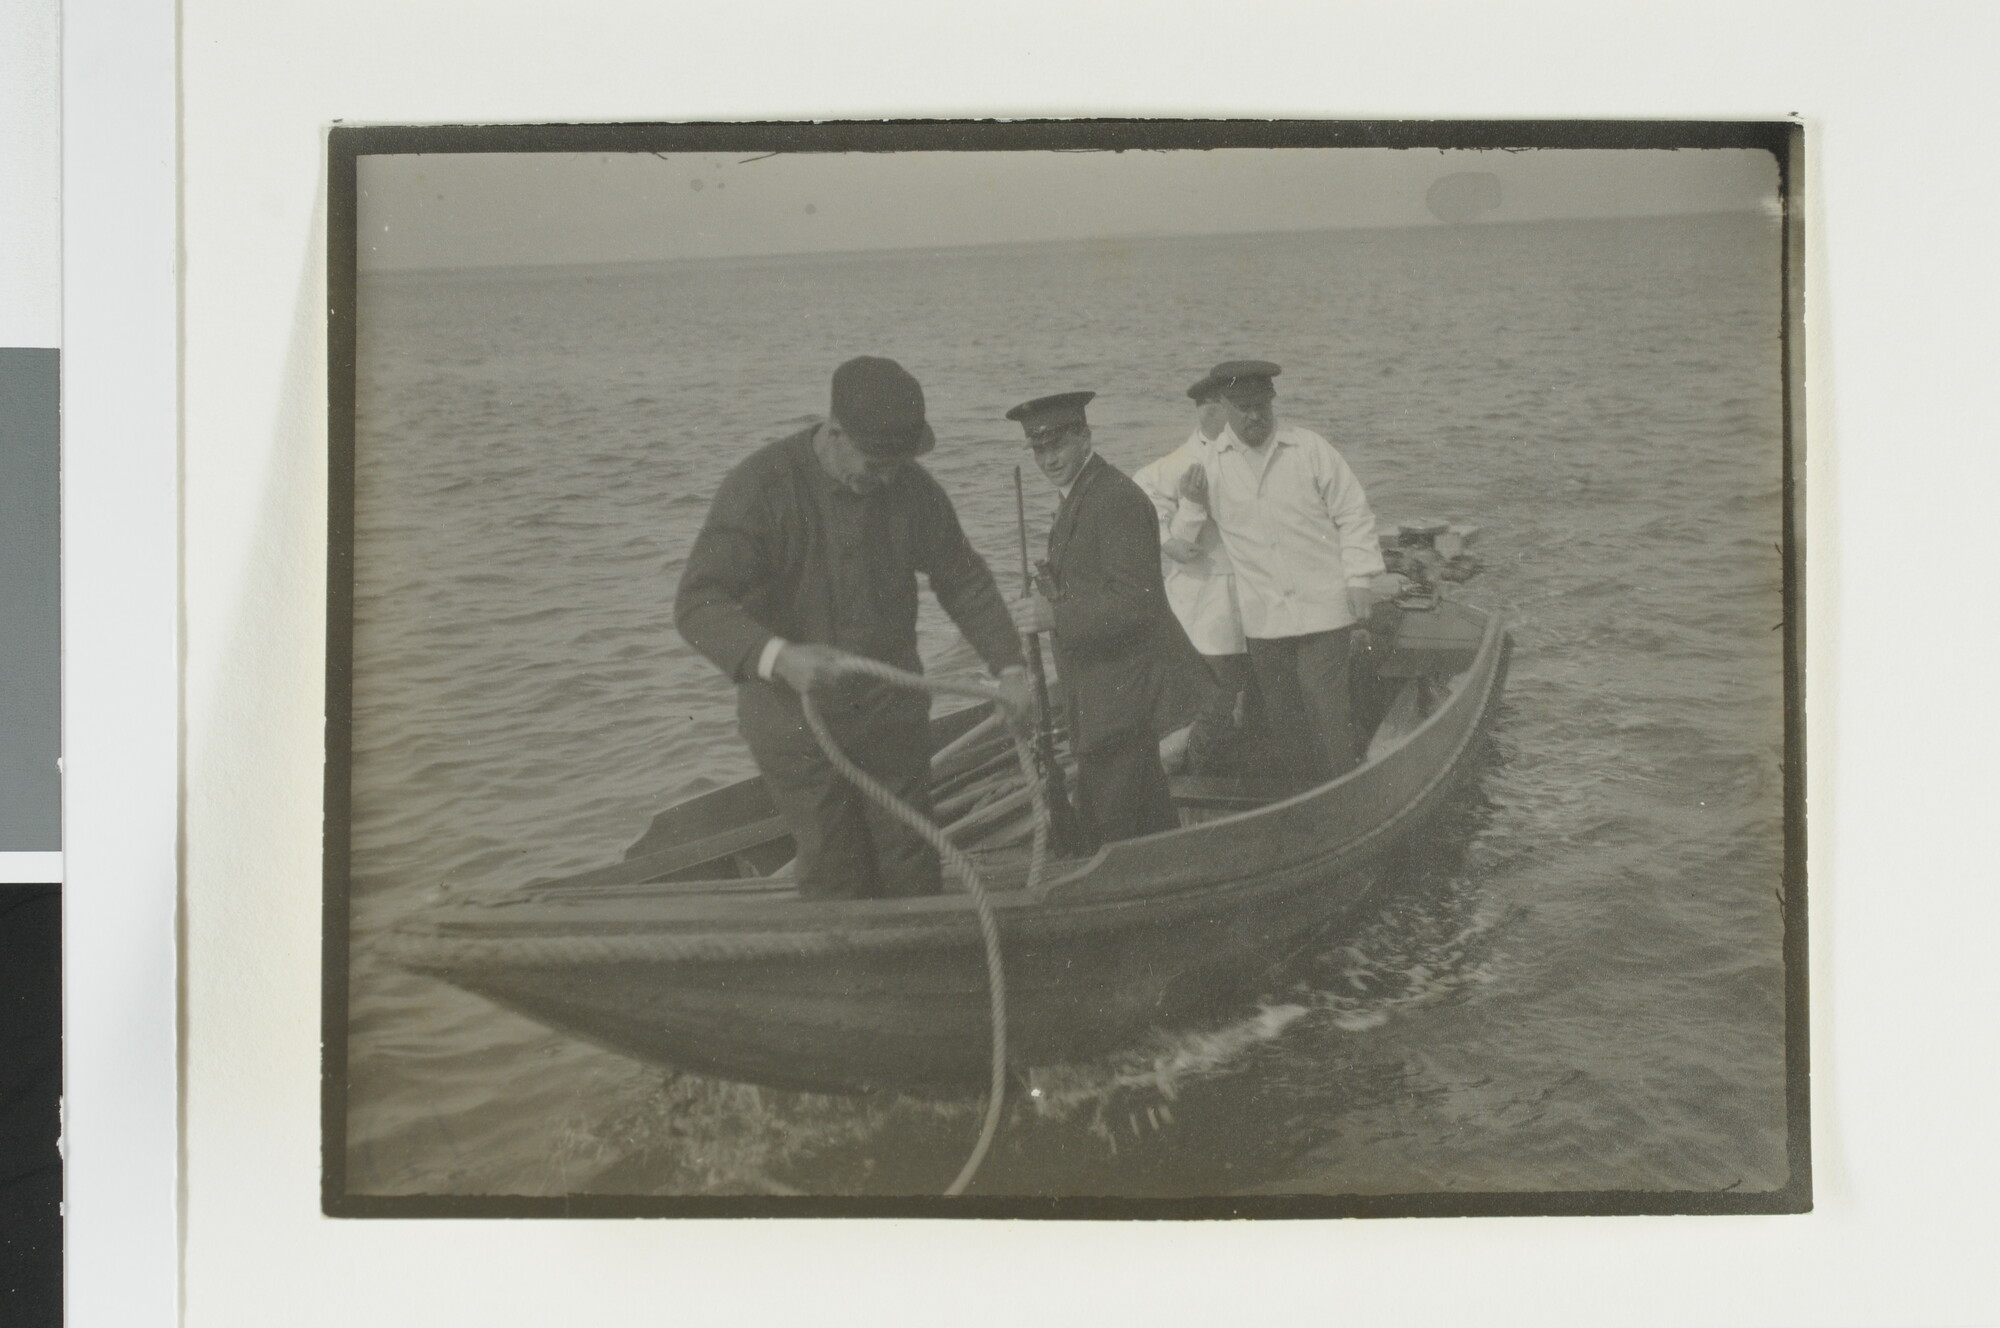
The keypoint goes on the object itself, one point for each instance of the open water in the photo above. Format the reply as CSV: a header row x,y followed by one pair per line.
x,y
1579,988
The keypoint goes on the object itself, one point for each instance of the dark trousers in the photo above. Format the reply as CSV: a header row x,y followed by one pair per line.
x,y
1121,789
1236,680
848,847
1304,681
1231,713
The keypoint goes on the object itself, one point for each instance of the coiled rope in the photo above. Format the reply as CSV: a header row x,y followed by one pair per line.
x,y
989,926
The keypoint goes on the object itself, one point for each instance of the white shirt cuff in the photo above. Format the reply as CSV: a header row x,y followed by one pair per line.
x,y
767,660
1188,520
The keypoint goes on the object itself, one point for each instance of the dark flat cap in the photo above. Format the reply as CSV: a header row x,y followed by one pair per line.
x,y
1238,375
1044,413
881,407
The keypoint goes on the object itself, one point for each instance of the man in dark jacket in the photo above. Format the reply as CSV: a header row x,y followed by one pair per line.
x,y
810,556
1129,674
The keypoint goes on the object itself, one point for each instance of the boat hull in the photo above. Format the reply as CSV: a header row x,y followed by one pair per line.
x,y
918,1018
746,981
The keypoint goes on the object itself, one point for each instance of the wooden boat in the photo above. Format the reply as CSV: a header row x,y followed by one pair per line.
x,y
698,952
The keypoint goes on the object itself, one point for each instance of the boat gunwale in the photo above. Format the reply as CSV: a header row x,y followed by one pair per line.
x,y
738,929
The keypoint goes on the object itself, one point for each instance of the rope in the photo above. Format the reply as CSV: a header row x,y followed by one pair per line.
x,y
955,858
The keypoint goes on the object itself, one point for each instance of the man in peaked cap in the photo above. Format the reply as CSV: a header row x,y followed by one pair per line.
x,y
1127,670
1301,538
809,557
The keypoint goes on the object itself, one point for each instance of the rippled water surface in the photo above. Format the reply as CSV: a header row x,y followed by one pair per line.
x,y
1579,984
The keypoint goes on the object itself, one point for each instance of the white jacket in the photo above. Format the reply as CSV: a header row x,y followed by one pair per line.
x,y
1298,529
1201,591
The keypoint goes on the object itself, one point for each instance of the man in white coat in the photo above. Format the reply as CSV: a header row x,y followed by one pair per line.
x,y
1301,540
1201,586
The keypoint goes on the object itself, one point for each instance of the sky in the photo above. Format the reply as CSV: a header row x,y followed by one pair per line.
x,y
503,209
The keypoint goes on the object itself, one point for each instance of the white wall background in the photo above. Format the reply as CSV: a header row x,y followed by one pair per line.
x,y
1903,284
120,678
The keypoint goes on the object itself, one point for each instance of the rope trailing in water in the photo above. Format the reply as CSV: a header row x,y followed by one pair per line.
x,y
955,858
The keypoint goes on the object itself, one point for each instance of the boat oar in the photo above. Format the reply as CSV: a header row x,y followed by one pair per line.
x,y
981,816
971,737
951,785
1062,816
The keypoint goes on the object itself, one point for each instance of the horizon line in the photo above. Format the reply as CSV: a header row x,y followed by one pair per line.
x,y
364,269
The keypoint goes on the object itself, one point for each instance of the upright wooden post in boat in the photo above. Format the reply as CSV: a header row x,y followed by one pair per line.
x,y
1063,838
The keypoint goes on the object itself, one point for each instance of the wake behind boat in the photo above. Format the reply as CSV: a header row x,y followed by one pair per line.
x,y
697,950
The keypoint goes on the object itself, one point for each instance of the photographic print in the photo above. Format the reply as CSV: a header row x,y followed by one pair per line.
x,y
1064,669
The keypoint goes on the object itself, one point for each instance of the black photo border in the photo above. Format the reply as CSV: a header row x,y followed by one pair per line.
x,y
346,144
